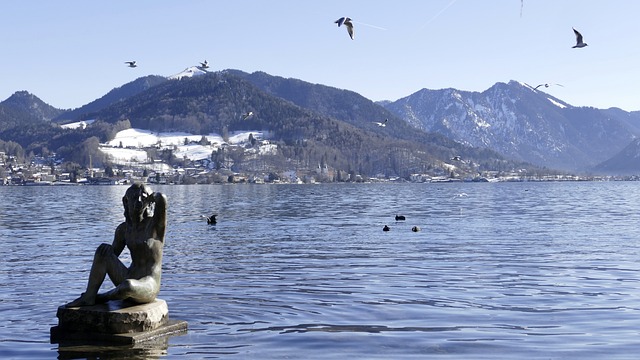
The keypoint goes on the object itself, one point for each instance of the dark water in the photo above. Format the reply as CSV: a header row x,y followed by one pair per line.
x,y
506,270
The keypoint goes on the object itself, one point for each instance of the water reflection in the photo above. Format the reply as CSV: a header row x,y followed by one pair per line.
x,y
152,349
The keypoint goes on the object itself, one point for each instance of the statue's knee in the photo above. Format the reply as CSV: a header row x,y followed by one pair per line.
x,y
104,250
128,283
127,287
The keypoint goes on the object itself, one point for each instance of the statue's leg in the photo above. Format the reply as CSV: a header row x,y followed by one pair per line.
x,y
142,290
105,261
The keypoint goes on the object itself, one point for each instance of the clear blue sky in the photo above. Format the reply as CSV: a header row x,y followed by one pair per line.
x,y
69,53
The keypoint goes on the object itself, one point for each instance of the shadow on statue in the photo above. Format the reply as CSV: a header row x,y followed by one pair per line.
x,y
131,307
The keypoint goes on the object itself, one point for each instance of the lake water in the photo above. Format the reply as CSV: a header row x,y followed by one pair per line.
x,y
499,270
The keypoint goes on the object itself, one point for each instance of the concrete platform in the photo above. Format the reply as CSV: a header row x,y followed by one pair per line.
x,y
115,322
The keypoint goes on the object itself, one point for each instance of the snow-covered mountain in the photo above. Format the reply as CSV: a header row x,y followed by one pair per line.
x,y
521,123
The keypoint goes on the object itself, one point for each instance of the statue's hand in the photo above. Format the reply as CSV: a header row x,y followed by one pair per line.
x,y
151,198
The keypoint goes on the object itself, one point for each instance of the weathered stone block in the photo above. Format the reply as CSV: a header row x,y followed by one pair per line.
x,y
114,317
116,322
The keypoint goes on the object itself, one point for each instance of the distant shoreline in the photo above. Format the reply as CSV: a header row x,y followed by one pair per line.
x,y
124,182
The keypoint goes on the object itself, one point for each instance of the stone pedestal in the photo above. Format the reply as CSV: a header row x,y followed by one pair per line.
x,y
115,322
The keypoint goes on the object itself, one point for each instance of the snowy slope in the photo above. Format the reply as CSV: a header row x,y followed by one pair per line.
x,y
79,124
188,72
128,144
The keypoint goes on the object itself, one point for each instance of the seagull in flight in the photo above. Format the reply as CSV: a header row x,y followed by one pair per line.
x,y
204,65
245,116
132,64
579,42
381,124
347,22
546,85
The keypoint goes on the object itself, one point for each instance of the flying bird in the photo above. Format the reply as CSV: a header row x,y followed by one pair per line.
x,y
245,116
204,65
381,124
579,42
546,85
347,22
132,64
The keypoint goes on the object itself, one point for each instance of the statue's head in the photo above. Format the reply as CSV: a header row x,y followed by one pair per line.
x,y
135,202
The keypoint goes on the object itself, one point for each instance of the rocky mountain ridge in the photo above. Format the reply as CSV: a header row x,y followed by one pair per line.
x,y
522,123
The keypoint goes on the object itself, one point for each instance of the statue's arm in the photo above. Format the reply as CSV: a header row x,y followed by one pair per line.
x,y
159,214
119,241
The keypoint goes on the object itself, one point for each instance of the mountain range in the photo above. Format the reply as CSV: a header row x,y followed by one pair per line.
x,y
506,126
522,123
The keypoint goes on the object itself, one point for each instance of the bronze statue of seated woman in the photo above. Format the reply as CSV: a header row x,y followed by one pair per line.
x,y
142,233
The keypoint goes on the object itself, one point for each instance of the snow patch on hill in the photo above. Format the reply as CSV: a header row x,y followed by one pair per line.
x,y
560,105
128,145
77,125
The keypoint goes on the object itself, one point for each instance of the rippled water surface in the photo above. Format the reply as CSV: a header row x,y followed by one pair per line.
x,y
506,270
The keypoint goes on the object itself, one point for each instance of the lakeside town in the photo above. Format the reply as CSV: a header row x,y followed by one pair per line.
x,y
134,155
42,171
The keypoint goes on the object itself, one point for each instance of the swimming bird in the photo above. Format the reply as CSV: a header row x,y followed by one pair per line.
x,y
211,220
400,218
579,42
204,65
456,158
381,124
415,229
132,64
347,22
245,116
386,228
